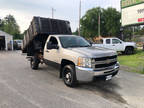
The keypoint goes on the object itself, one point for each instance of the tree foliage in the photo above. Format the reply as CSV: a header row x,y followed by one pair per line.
x,y
109,21
112,22
139,30
76,32
9,25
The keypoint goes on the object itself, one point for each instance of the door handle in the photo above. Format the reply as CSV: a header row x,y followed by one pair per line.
x,y
113,45
47,51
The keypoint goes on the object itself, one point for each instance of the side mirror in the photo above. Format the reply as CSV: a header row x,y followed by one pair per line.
x,y
52,46
90,42
48,45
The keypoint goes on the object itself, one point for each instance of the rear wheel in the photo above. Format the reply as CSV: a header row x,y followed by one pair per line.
x,y
129,50
34,63
69,76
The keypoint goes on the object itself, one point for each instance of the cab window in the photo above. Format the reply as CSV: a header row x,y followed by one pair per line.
x,y
116,41
53,41
108,41
101,41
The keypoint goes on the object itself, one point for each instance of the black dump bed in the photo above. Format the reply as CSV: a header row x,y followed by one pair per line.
x,y
39,30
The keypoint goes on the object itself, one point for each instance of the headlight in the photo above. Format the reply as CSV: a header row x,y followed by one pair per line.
x,y
84,62
117,64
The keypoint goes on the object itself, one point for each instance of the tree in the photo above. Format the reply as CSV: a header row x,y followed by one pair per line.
x,y
109,21
11,26
112,22
76,32
1,24
89,22
139,30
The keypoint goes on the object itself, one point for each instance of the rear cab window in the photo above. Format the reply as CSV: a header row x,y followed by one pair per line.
x,y
108,41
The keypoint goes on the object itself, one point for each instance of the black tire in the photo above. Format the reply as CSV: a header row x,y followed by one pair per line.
x,y
129,50
69,75
123,52
115,74
34,63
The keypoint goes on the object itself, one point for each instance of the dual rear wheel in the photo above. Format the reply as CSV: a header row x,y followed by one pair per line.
x,y
34,62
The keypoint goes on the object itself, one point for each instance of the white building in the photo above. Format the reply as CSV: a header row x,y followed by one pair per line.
x,y
6,41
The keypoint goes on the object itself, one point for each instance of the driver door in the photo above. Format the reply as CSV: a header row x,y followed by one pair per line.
x,y
52,54
117,45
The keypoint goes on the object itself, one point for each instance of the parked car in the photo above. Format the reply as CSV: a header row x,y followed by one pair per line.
x,y
18,44
117,45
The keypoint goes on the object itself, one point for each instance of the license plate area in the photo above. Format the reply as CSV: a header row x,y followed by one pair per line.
x,y
109,77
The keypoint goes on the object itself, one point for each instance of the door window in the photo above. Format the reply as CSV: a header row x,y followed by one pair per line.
x,y
53,41
116,41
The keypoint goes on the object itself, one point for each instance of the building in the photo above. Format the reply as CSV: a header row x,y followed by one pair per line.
x,y
6,41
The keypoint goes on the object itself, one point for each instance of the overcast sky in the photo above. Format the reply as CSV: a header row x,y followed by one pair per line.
x,y
24,10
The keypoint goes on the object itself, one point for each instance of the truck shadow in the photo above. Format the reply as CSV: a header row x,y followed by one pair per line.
x,y
105,89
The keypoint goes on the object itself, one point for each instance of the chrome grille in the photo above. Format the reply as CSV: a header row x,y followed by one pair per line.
x,y
104,62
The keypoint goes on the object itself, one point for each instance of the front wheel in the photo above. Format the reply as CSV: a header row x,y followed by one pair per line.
x,y
69,75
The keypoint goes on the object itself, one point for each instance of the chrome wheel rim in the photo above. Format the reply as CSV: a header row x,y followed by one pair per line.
x,y
67,76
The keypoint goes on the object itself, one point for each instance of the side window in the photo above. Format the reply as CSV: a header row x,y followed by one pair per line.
x,y
101,41
53,41
108,41
115,41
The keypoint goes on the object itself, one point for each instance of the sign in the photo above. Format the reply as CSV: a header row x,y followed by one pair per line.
x,y
132,12
128,3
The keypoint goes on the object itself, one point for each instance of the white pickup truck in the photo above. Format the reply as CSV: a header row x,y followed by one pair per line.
x,y
117,45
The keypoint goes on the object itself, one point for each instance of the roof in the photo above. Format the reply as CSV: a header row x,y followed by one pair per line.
x,y
61,35
110,38
2,33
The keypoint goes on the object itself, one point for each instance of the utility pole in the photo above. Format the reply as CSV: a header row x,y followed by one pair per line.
x,y
53,12
99,20
79,16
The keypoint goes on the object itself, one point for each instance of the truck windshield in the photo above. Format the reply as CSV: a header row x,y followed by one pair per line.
x,y
73,41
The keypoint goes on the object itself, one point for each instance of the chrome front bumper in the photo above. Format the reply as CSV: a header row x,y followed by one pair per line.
x,y
87,74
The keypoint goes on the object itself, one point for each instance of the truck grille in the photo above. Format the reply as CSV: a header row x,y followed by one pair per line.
x,y
104,62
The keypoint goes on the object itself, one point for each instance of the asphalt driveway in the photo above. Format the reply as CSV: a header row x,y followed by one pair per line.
x,y
22,87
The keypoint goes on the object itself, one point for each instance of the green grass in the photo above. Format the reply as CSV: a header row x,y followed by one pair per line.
x,y
134,63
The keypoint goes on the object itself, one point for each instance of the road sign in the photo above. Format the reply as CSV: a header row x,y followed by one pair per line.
x,y
132,12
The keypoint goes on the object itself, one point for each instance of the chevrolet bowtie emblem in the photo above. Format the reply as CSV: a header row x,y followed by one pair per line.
x,y
108,61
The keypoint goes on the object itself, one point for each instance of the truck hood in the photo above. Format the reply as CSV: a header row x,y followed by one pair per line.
x,y
94,52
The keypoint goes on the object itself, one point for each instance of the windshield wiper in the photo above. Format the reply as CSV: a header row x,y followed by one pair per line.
x,y
85,46
72,46
77,46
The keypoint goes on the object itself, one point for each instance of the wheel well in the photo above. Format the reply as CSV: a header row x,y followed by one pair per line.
x,y
63,63
129,47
